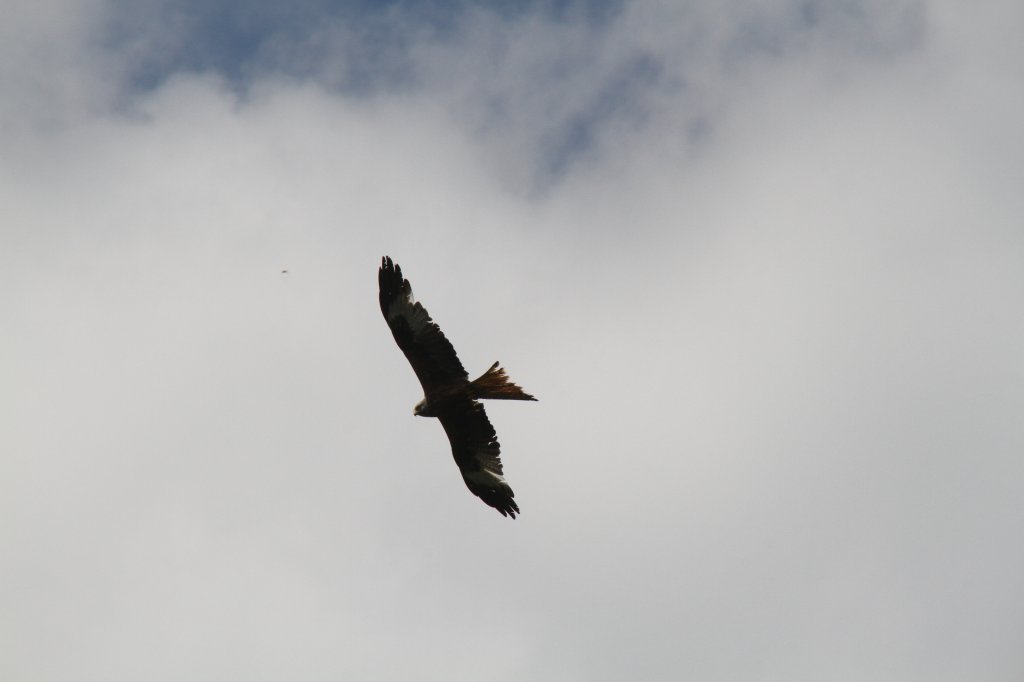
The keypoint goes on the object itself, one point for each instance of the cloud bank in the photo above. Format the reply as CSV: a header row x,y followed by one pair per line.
x,y
759,261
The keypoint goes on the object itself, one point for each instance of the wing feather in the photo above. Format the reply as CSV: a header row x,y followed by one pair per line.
x,y
431,355
477,453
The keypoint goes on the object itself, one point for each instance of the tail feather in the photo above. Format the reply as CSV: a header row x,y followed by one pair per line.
x,y
495,385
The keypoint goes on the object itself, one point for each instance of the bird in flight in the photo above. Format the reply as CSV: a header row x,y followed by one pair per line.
x,y
448,394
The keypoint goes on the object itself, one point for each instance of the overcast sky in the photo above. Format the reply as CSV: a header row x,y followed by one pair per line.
x,y
762,263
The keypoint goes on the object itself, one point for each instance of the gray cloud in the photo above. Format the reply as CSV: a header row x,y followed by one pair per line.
x,y
760,264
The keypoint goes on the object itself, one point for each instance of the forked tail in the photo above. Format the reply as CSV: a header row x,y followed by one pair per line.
x,y
495,385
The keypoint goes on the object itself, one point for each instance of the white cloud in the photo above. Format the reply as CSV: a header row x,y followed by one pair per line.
x,y
778,358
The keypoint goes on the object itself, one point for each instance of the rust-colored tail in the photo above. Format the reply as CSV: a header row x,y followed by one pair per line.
x,y
495,385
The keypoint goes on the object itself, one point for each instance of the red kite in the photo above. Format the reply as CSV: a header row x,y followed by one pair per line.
x,y
447,392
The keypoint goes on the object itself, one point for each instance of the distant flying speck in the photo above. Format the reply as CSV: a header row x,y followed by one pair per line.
x,y
284,272
448,393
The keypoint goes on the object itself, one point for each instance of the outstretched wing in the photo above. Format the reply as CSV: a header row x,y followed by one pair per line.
x,y
476,451
431,355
